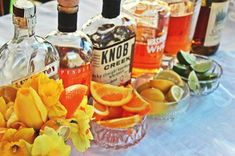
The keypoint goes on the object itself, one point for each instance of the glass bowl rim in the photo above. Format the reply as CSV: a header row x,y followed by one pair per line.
x,y
203,57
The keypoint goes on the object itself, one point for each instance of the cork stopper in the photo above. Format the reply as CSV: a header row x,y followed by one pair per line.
x,y
24,9
70,3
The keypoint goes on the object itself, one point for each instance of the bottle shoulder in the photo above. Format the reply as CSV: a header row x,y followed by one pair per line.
x,y
104,32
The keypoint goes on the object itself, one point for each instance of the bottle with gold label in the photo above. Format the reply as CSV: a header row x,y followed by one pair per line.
x,y
113,36
74,47
209,27
26,53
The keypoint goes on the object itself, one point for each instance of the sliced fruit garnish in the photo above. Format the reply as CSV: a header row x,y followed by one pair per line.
x,y
110,95
163,85
125,122
202,66
186,58
175,94
100,109
170,75
153,94
193,82
114,112
137,105
72,96
143,86
207,76
181,69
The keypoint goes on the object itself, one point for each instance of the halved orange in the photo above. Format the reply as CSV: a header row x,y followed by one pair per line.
x,y
72,96
100,109
110,95
137,105
124,122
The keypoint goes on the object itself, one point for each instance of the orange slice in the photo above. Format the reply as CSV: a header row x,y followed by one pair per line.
x,y
100,109
125,122
137,105
110,95
72,96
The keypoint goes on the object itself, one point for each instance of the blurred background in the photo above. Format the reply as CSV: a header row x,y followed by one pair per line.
x,y
6,5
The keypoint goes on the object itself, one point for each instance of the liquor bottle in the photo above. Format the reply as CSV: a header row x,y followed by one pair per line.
x,y
26,53
209,26
113,36
152,18
74,47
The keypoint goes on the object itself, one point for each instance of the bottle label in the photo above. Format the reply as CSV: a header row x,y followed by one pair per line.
x,y
112,65
80,75
156,45
216,23
50,70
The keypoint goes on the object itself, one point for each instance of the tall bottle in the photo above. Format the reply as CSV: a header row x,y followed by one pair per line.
x,y
209,26
26,54
74,47
113,38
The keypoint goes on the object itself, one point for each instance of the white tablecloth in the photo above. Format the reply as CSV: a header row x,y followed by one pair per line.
x,y
206,129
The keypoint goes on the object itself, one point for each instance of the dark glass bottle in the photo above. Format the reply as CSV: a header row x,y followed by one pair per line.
x,y
209,26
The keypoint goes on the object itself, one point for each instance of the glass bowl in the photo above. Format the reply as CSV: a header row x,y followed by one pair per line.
x,y
206,86
164,110
118,138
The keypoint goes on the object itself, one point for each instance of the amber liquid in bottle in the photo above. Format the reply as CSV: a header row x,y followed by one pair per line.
x,y
198,43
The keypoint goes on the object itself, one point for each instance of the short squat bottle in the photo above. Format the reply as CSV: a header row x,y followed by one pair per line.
x,y
74,47
26,54
113,36
209,27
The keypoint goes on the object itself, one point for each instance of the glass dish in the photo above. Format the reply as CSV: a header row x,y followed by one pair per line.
x,y
164,110
206,86
118,138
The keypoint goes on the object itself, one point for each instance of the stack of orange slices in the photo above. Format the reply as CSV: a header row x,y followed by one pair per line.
x,y
117,107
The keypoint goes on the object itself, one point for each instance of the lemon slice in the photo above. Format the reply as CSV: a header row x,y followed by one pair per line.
x,y
175,94
170,75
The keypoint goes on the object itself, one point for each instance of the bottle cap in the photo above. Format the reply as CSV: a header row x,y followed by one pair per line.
x,y
24,9
111,8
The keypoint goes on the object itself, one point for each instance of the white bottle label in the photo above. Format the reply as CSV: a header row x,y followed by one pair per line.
x,y
113,64
216,23
156,45
50,70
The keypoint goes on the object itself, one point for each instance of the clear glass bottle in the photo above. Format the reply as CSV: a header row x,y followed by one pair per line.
x,y
209,27
113,38
152,18
26,53
74,47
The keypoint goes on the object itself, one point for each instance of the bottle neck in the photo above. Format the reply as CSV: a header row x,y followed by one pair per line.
x,y
111,8
24,27
67,18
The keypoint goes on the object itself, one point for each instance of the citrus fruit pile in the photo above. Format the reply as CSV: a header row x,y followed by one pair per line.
x,y
117,107
195,70
163,90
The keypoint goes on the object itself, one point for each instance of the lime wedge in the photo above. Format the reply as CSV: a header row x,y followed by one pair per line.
x,y
207,76
181,69
202,66
193,82
175,94
185,58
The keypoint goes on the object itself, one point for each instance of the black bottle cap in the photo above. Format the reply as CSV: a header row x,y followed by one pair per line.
x,y
111,8
67,21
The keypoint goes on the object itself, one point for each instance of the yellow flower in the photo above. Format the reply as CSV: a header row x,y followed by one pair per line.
x,y
50,144
19,148
80,130
29,108
57,111
49,90
2,121
3,106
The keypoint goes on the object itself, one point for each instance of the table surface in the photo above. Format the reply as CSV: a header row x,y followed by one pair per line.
x,y
206,129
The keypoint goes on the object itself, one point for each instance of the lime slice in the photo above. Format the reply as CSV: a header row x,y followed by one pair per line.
x,y
193,82
207,76
170,75
202,66
175,94
181,69
185,58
